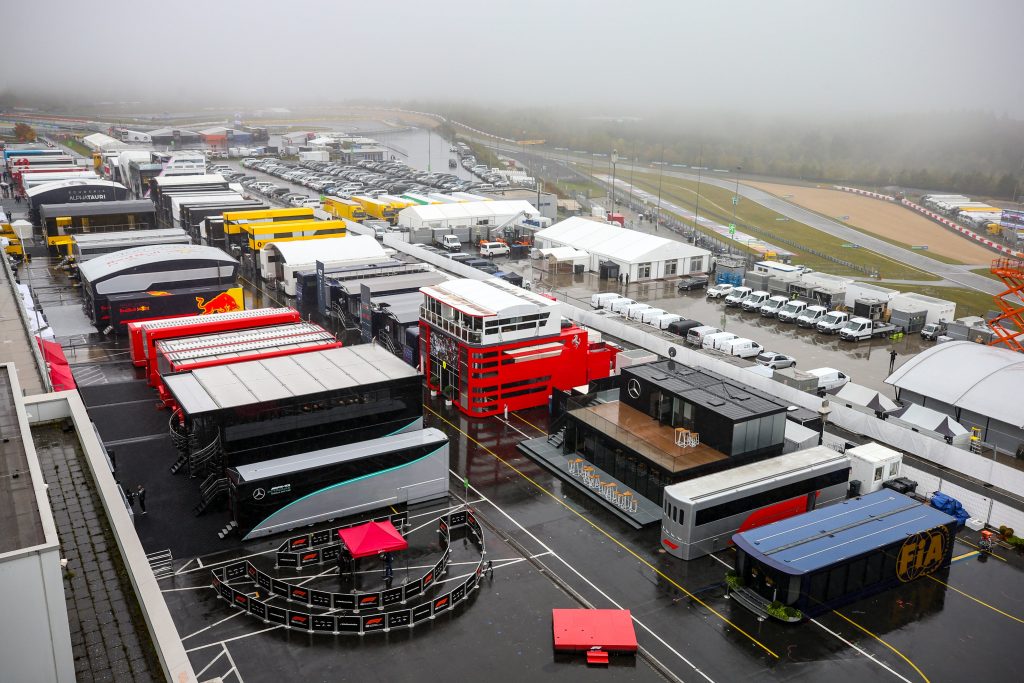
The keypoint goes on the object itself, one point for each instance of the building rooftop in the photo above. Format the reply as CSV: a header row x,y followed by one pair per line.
x,y
833,533
614,242
485,298
240,384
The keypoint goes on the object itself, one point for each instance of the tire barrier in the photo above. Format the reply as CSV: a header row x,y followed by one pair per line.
x,y
342,611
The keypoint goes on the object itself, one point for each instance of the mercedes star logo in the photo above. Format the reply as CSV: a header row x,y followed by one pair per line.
x,y
258,494
633,387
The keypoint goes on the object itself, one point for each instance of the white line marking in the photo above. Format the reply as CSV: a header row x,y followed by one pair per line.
x,y
510,426
591,584
234,667
216,623
212,661
228,640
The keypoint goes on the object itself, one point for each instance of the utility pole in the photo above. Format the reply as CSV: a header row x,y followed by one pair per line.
x,y
615,160
696,207
735,203
661,174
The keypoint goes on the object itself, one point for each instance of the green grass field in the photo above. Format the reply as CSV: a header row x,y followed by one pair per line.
x,y
716,202
985,272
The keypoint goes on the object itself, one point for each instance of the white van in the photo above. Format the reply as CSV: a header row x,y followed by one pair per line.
x,y
649,314
744,348
811,316
663,321
829,378
489,249
716,339
599,300
737,296
754,301
695,337
776,303
633,311
832,322
620,305
791,311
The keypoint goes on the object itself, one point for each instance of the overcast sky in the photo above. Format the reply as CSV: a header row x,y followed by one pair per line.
x,y
781,56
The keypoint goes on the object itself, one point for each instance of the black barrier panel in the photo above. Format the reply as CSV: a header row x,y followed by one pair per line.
x,y
234,571
470,519
279,587
309,557
429,579
421,612
324,623
457,518
330,553
287,560
241,600
442,527
391,596
471,582
374,622
227,592
345,601
299,594
349,624
299,543
263,580
399,619
367,600
216,580
320,599
401,519
277,615
442,603
445,541
320,537
414,588
458,593
299,620
258,608
250,570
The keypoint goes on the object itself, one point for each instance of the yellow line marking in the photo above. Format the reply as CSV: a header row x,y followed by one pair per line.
x,y
528,422
991,554
898,653
980,602
606,534
393,510
970,554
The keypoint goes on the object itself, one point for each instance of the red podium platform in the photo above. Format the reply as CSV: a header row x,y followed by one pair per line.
x,y
577,630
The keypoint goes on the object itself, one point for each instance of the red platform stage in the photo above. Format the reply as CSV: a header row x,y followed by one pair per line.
x,y
578,630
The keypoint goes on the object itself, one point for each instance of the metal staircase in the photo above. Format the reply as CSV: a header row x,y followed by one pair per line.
x,y
161,562
212,489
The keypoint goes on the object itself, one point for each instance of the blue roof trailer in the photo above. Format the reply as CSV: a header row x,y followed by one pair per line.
x,y
815,562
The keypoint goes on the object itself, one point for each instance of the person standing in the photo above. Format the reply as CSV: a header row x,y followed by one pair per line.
x,y
386,557
344,562
892,360
140,495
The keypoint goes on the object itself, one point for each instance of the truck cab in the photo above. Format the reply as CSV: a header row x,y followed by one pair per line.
x,y
862,328
450,243
933,331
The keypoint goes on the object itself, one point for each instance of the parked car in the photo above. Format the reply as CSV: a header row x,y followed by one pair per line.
x,y
773,305
832,322
690,282
775,361
932,331
737,296
719,291
491,249
681,327
754,301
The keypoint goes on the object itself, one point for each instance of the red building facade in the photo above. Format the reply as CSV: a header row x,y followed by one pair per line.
x,y
490,345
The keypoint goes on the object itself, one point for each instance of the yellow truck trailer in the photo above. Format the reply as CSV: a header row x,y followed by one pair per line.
x,y
256,235
378,209
344,208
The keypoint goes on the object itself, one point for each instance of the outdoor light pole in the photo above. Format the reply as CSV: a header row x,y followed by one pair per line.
x,y
615,159
735,202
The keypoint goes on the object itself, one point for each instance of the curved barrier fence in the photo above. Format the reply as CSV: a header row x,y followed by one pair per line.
x,y
323,546
344,609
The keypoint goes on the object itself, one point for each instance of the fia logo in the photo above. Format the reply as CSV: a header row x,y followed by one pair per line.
x,y
258,494
922,554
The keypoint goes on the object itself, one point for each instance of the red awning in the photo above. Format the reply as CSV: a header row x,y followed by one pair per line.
x,y
60,376
372,538
52,352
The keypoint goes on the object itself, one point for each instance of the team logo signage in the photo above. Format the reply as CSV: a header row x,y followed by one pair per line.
x,y
258,494
922,553
633,388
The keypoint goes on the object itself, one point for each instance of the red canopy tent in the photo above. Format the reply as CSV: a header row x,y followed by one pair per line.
x,y
61,378
52,352
372,538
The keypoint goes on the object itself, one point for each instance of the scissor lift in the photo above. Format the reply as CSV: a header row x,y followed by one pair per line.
x,y
1011,272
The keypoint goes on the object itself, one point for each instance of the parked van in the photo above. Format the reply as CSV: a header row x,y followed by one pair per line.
x,y
791,311
695,336
649,314
771,308
620,305
832,322
681,327
811,316
744,348
716,339
737,296
829,378
663,321
754,301
490,249
599,300
633,311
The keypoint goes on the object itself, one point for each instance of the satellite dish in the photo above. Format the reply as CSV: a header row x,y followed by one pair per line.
x,y
672,352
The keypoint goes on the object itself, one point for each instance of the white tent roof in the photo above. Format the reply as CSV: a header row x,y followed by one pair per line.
x,y
858,394
158,253
981,379
563,253
614,242
481,210
331,249
100,142
929,419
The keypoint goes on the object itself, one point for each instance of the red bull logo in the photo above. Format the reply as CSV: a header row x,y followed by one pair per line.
x,y
225,302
